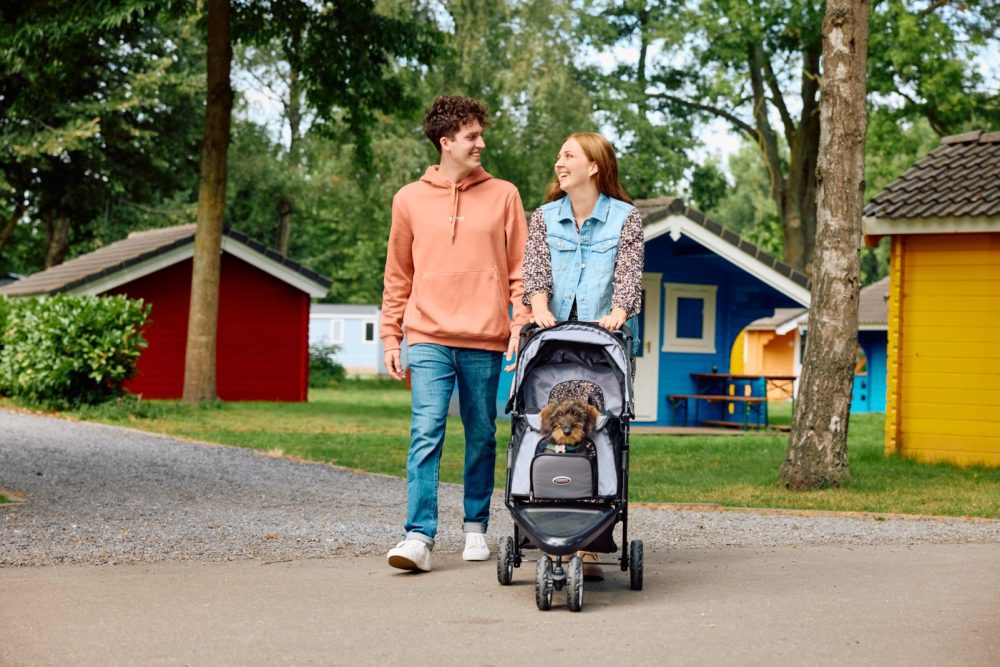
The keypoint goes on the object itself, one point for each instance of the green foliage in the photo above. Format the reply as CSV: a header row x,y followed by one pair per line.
x,y
747,207
324,371
100,112
69,350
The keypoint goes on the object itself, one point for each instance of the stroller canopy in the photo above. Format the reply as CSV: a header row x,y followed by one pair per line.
x,y
573,351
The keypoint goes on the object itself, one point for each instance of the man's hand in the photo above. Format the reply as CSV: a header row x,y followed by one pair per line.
x,y
394,365
511,352
614,321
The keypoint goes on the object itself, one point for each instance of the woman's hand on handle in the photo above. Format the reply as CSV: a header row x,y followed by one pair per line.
x,y
540,313
614,321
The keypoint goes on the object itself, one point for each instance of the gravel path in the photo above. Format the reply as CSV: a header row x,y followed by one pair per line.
x,y
99,494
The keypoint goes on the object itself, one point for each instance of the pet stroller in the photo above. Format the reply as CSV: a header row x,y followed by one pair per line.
x,y
562,503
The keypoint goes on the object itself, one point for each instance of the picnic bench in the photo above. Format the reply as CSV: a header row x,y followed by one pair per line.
x,y
714,388
755,405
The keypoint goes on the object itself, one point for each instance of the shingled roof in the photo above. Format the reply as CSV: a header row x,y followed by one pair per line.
x,y
657,212
873,305
960,178
142,252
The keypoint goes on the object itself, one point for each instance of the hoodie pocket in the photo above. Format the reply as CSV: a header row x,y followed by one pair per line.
x,y
466,304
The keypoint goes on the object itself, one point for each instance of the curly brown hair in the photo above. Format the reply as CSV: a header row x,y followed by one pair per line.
x,y
449,113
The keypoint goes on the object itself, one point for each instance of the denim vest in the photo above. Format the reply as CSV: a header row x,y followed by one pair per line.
x,y
583,264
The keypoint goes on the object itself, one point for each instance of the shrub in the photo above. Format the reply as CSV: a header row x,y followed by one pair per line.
x,y
64,351
323,370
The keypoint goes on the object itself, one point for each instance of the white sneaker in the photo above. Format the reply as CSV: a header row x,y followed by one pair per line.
x,y
476,547
410,555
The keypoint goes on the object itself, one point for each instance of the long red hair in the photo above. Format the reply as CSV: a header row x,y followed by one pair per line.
x,y
598,150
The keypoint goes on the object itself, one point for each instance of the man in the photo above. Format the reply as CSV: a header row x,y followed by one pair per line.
x,y
452,272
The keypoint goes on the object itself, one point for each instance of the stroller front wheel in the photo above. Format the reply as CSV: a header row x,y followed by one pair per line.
x,y
574,584
543,583
635,565
505,561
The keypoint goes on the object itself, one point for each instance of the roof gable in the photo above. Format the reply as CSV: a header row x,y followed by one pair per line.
x,y
143,253
954,188
670,215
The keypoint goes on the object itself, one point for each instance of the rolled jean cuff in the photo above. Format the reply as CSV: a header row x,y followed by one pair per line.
x,y
474,527
420,537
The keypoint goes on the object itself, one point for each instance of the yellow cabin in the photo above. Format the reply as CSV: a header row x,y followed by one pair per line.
x,y
943,380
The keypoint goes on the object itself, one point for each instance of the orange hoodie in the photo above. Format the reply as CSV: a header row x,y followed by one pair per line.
x,y
453,266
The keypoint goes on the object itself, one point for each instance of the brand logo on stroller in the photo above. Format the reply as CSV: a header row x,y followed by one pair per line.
x,y
562,480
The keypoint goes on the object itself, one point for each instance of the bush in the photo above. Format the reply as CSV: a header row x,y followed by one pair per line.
x,y
323,370
64,351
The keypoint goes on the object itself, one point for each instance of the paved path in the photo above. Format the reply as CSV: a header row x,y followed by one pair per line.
x,y
225,556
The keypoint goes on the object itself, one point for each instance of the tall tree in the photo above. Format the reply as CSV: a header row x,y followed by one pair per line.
x,y
96,111
755,64
344,51
817,447
199,358
653,139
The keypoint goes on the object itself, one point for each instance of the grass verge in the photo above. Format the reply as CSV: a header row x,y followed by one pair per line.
x,y
365,426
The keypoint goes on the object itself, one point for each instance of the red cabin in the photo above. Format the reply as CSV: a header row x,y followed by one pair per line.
x,y
262,351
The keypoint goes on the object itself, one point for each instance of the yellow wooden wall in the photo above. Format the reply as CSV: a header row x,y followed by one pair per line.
x,y
944,348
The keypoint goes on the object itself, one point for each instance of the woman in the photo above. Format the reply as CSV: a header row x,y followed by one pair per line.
x,y
584,254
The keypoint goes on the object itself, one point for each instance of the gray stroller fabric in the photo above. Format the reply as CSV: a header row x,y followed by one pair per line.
x,y
571,351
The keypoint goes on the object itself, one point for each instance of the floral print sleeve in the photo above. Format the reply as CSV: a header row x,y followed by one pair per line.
x,y
537,266
627,293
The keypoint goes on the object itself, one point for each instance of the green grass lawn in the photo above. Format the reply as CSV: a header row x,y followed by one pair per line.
x,y
365,426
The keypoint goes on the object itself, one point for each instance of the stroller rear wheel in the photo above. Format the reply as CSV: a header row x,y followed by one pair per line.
x,y
574,584
635,565
505,561
543,583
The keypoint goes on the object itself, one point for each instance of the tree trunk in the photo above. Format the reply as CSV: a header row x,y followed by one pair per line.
x,y
284,234
8,228
817,448
199,363
807,148
56,239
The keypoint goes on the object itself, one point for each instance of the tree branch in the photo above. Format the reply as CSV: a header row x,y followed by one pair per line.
x,y
778,99
725,115
931,8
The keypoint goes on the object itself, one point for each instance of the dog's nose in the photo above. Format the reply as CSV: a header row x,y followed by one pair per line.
x,y
567,429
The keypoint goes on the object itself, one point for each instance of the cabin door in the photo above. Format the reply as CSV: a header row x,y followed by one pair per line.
x,y
647,362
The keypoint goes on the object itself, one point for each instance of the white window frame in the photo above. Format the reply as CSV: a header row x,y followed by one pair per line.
x,y
336,331
676,291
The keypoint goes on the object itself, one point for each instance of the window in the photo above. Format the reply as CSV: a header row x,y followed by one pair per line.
x,y
689,324
369,332
336,331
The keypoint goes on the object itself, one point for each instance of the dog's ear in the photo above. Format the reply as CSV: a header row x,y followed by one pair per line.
x,y
592,398
592,415
545,414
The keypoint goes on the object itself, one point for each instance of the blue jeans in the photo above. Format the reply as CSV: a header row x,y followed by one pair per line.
x,y
434,370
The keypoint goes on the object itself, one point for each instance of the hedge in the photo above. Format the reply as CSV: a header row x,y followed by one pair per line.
x,y
64,351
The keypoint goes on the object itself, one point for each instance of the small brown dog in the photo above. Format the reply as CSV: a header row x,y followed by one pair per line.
x,y
568,423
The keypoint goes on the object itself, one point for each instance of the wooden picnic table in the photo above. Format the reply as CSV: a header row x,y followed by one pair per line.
x,y
713,388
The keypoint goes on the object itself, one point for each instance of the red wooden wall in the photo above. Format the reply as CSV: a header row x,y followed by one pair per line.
x,y
263,339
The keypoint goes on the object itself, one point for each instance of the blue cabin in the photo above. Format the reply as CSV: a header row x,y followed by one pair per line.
x,y
702,284
352,328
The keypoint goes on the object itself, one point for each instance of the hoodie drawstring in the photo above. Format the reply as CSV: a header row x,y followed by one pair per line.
x,y
454,212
